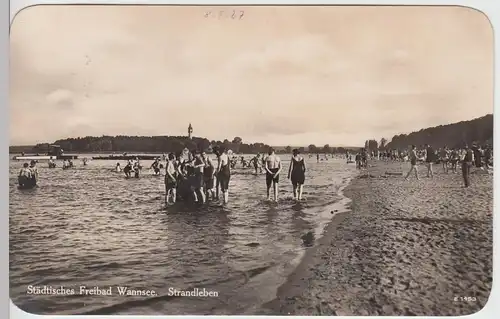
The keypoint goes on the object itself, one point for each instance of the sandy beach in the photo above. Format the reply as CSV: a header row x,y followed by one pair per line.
x,y
405,248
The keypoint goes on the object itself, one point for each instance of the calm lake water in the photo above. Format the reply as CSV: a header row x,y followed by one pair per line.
x,y
90,226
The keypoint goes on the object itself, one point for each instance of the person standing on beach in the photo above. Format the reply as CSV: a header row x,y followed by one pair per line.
x,y
478,153
358,161
487,156
429,159
296,173
444,155
273,169
454,157
413,162
466,165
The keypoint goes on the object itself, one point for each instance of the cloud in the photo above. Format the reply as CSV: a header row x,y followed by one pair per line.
x,y
288,75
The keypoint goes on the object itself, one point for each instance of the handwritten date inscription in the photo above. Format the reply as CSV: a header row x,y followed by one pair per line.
x,y
225,14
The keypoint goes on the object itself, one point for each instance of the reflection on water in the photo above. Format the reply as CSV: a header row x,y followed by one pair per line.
x,y
90,226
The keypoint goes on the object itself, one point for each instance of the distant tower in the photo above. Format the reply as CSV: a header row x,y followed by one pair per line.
x,y
190,130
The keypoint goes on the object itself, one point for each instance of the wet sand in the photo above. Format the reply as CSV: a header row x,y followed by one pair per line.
x,y
405,248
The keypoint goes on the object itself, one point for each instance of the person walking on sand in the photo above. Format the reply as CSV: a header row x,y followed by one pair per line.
x,y
466,165
296,173
413,162
430,155
273,169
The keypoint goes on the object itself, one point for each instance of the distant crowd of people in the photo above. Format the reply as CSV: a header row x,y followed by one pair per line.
x,y
449,159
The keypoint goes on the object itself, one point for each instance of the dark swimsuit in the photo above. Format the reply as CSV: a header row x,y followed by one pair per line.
x,y
477,158
208,176
224,176
156,168
430,155
270,177
298,172
127,169
198,179
413,161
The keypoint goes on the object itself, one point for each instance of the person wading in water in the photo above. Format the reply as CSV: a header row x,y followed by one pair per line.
x,y
25,176
296,173
273,169
208,176
171,179
223,173
198,181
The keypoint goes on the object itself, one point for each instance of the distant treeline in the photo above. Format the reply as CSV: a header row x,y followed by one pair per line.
x,y
162,144
479,131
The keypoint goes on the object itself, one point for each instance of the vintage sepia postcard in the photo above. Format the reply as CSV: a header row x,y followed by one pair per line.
x,y
251,160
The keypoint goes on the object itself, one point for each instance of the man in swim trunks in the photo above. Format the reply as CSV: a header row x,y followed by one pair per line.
x,y
273,169
223,172
413,162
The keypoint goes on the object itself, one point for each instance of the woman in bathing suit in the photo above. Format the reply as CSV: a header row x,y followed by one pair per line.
x,y
223,172
296,173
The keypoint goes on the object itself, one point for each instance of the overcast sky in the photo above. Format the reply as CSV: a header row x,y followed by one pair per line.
x,y
279,75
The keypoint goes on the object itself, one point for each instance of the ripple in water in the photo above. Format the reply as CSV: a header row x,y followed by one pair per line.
x,y
89,226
